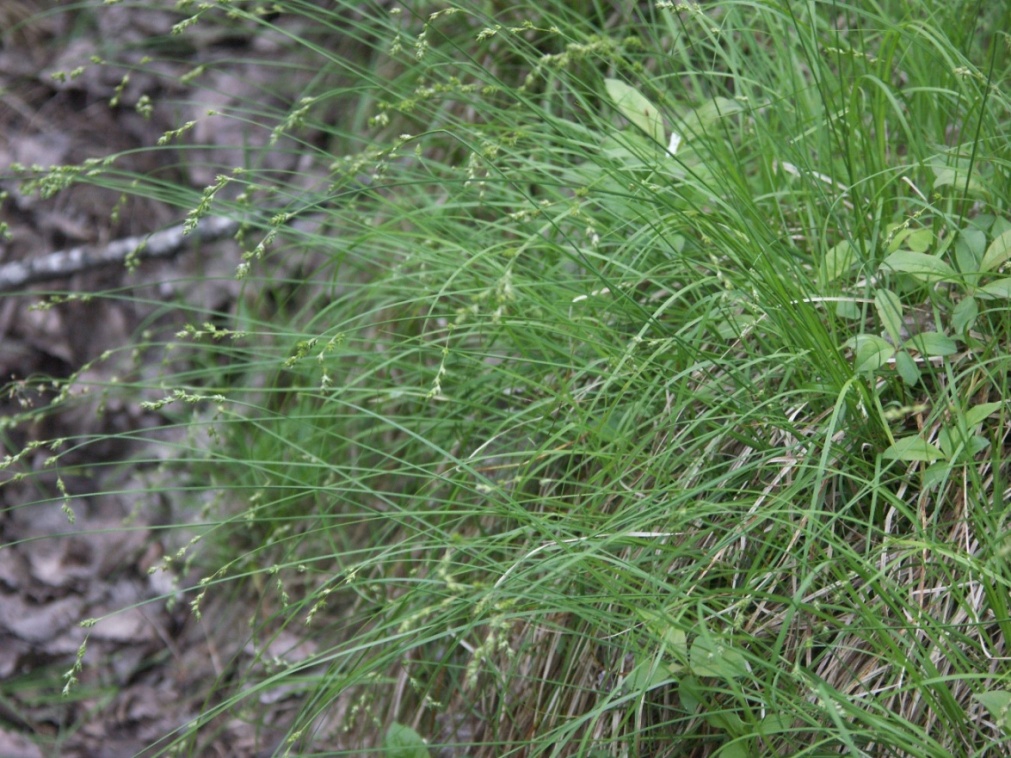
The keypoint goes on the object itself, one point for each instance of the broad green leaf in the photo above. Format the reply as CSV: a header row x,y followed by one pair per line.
x,y
963,317
848,309
978,413
736,749
1001,288
912,449
950,440
728,721
924,267
632,150
636,108
973,241
935,475
977,444
907,368
870,352
581,134
983,222
646,676
946,441
715,657
897,237
733,327
700,121
403,742
932,344
998,702
968,265
998,252
950,177
713,110
691,693
1000,225
673,638
889,309
920,240
774,723
838,261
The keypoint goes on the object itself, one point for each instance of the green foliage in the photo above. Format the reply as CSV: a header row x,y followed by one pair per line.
x,y
567,443
403,742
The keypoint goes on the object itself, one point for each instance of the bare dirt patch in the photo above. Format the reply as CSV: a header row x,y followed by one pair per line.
x,y
68,554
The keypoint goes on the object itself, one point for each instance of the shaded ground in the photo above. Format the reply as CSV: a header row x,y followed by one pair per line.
x,y
149,669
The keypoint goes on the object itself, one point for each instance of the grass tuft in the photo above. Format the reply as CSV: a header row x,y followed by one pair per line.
x,y
605,382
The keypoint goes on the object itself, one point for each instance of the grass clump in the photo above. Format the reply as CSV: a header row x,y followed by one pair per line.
x,y
617,382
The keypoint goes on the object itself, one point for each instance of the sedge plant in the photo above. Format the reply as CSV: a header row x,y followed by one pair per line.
x,y
609,381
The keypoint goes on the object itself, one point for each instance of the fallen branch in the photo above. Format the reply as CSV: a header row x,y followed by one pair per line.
x,y
163,244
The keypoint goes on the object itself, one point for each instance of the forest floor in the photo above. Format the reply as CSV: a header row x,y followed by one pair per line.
x,y
147,670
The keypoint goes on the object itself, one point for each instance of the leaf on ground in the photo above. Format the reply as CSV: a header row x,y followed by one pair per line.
x,y
953,442
775,723
973,241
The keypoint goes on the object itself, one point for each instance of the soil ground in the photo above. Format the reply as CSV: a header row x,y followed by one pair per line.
x,y
148,669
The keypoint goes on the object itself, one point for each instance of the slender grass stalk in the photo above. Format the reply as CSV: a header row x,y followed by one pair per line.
x,y
556,440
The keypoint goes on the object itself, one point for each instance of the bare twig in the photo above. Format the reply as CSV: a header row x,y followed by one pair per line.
x,y
163,244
